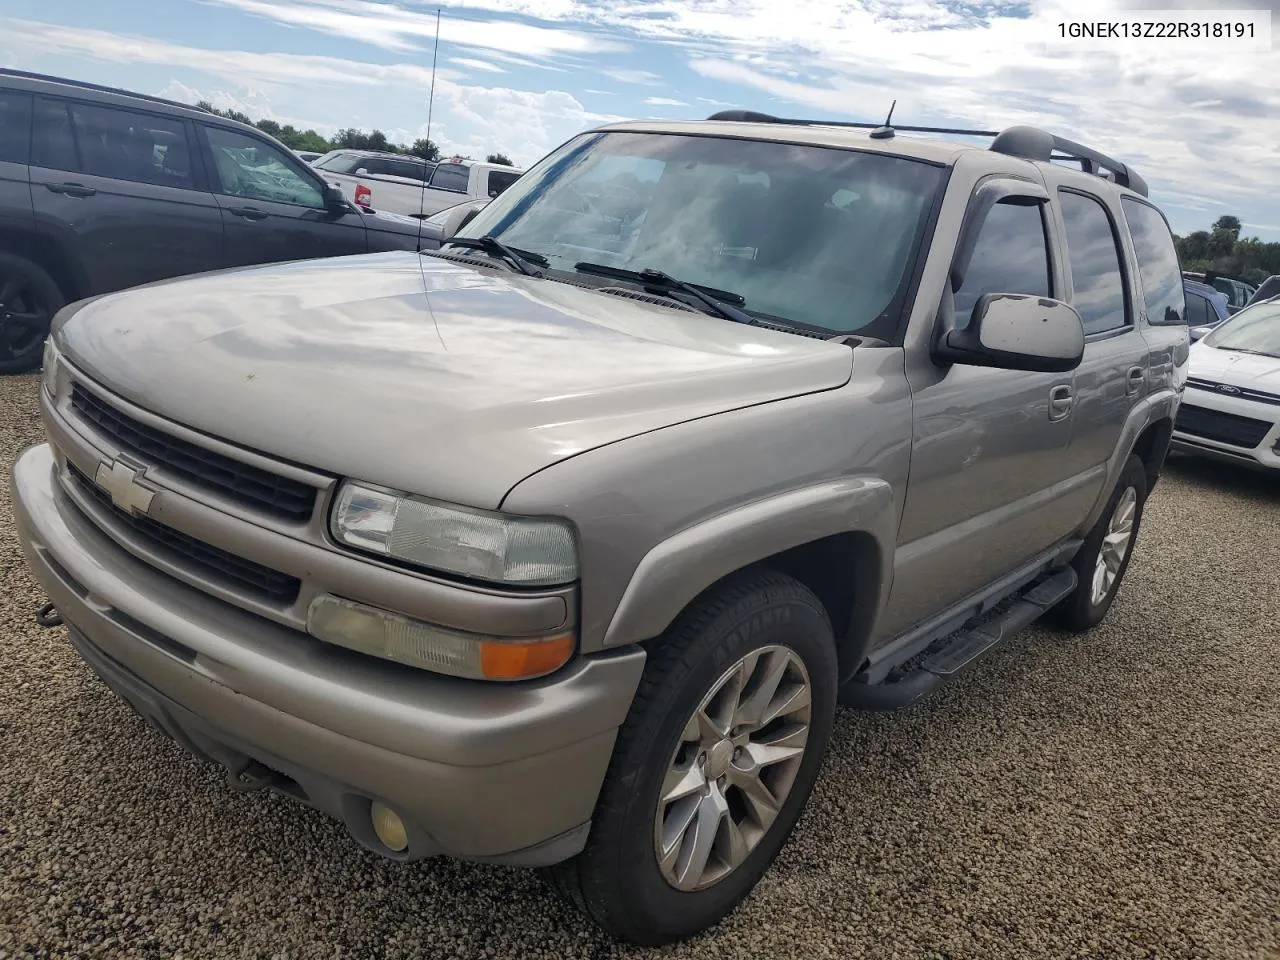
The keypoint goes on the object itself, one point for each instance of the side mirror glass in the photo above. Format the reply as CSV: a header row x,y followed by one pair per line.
x,y
1013,331
362,172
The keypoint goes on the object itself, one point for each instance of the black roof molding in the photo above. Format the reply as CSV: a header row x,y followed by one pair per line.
x,y
1027,143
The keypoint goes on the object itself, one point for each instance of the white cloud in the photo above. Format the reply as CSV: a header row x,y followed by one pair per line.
x,y
482,65
394,27
624,75
664,102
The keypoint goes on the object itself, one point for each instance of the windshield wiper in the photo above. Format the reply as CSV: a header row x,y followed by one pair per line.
x,y
720,301
522,260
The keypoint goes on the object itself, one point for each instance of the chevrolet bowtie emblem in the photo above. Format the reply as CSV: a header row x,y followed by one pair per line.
x,y
121,481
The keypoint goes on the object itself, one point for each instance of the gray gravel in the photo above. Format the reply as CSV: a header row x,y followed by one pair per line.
x,y
1110,795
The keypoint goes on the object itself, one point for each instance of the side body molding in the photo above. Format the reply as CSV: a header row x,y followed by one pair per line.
x,y
679,568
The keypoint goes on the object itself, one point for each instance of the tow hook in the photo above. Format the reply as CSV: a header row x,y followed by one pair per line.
x,y
48,617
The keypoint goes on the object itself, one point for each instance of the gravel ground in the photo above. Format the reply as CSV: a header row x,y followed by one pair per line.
x,y
1110,795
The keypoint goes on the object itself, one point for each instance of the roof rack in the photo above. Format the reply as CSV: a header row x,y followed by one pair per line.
x,y
100,88
1028,143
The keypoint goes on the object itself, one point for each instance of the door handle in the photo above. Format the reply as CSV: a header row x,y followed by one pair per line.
x,y
1134,381
1060,401
249,213
71,189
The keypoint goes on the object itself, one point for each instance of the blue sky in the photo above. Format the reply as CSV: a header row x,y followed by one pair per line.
x,y
520,76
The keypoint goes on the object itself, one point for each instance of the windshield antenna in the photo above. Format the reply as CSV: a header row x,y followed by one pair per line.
x,y
885,132
431,99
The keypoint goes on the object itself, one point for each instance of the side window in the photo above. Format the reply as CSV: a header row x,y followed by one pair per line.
x,y
1198,312
1095,264
451,176
409,170
125,145
1157,262
341,163
1011,256
15,126
53,145
374,166
499,180
254,169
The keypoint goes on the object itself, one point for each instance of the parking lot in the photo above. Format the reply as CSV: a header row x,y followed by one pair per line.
x,y
1115,794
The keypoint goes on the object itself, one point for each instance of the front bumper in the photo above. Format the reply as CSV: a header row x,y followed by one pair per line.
x,y
1263,455
504,773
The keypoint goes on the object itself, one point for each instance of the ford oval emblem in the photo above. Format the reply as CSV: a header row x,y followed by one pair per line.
x,y
1228,388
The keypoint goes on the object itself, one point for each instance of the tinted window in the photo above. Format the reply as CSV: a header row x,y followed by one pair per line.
x,y
342,163
451,176
125,145
1011,256
256,170
1097,281
818,236
499,180
15,126
1157,262
1199,312
409,170
53,145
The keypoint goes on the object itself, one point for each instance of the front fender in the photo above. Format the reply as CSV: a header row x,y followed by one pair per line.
x,y
679,568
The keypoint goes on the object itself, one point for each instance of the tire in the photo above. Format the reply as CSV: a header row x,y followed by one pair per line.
x,y
29,298
617,880
1084,609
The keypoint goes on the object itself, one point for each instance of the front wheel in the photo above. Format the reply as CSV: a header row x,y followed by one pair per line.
x,y
1104,557
713,764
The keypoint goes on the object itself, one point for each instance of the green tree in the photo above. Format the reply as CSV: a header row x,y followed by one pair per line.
x,y
426,149
501,158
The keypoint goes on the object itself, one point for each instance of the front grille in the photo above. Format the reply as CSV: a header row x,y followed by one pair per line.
x,y
1240,393
274,495
1222,427
196,555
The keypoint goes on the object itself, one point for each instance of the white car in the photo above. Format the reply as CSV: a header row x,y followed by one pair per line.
x,y
1231,408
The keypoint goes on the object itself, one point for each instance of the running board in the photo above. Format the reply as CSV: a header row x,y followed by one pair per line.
x,y
944,659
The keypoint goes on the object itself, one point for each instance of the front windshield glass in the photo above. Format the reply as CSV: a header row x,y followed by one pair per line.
x,y
1254,329
814,235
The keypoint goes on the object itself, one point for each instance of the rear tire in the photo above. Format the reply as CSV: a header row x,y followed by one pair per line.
x,y
756,626
1102,561
29,298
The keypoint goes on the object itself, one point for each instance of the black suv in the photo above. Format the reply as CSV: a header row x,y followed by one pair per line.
x,y
101,189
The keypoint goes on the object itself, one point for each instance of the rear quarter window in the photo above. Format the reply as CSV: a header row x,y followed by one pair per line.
x,y
451,176
1158,268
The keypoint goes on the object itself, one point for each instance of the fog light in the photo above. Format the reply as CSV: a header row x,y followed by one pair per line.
x,y
431,647
388,826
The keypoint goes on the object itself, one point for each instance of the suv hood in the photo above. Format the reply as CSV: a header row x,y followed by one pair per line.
x,y
426,375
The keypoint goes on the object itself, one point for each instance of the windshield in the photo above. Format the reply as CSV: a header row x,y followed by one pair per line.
x,y
815,235
1254,329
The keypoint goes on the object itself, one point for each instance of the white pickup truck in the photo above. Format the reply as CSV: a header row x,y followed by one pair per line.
x,y
394,183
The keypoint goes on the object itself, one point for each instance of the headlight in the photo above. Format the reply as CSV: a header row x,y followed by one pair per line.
x,y
523,551
381,633
49,367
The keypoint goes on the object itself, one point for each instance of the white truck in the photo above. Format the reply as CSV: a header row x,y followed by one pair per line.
x,y
395,183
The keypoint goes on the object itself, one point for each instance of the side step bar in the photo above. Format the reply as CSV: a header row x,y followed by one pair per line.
x,y
947,657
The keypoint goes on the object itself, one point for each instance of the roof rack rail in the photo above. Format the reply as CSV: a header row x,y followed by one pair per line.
x,y
99,87
1027,143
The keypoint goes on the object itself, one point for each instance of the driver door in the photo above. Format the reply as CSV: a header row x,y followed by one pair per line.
x,y
273,209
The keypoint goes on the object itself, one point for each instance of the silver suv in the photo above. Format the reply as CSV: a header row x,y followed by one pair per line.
x,y
559,545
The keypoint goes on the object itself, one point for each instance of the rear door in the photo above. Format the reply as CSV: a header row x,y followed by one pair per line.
x,y
118,187
1112,378
1163,298
273,205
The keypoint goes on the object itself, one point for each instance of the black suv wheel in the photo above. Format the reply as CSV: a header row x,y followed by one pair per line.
x,y
29,298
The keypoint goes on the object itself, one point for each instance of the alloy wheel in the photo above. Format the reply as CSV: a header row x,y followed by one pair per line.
x,y
1115,545
733,768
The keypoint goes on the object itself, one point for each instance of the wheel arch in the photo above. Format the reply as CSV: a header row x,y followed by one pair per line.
x,y
836,538
50,256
